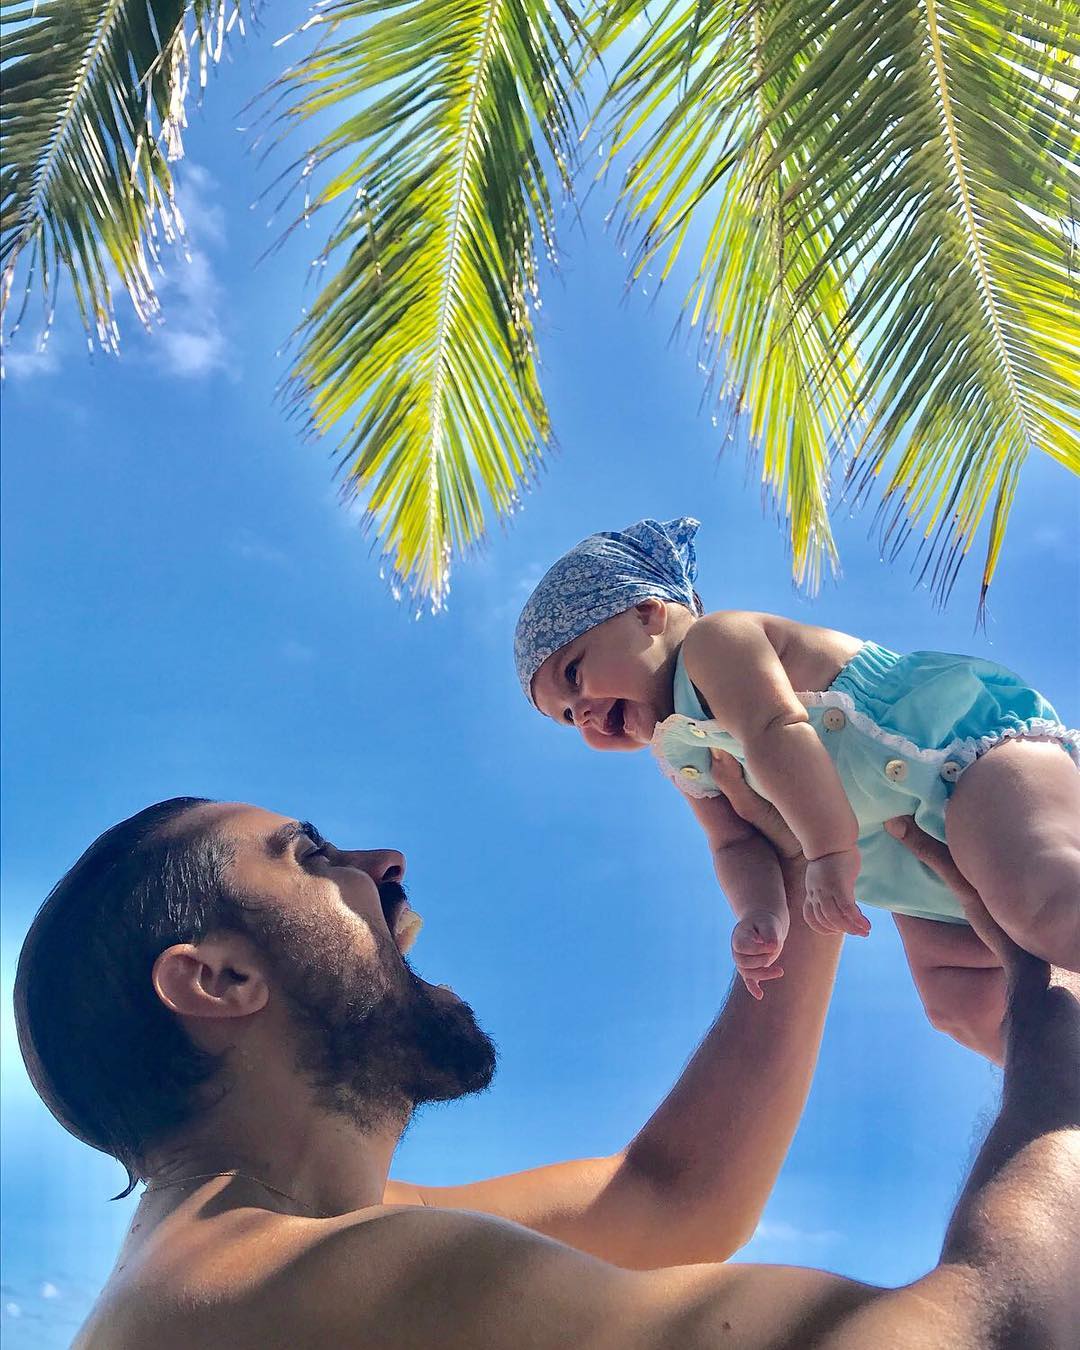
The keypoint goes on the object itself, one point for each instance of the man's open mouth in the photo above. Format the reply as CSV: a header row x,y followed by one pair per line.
x,y
404,923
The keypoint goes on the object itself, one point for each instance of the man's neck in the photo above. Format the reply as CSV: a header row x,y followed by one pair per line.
x,y
321,1160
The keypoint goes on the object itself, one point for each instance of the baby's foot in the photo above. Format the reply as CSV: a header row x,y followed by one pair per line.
x,y
756,942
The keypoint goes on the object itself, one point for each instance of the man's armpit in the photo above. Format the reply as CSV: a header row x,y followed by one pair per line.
x,y
945,1310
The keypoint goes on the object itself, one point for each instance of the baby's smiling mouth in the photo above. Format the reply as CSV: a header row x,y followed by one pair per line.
x,y
616,718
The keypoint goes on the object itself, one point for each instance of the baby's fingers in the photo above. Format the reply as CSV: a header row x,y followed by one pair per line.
x,y
815,920
854,921
841,916
755,961
754,981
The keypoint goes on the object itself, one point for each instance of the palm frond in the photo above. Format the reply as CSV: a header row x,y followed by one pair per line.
x,y
694,101
419,351
94,94
938,148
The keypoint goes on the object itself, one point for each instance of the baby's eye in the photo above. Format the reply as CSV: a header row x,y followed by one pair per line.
x,y
568,716
571,674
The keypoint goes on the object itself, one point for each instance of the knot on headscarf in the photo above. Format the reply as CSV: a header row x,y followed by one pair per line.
x,y
606,574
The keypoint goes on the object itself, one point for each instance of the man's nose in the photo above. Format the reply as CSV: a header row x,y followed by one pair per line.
x,y
381,864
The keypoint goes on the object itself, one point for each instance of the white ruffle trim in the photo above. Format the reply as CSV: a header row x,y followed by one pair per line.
x,y
962,752
690,789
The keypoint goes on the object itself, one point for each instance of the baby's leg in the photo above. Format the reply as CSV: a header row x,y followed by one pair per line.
x,y
1013,827
960,981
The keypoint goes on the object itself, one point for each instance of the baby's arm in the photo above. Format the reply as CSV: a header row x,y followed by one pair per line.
x,y
749,874
731,660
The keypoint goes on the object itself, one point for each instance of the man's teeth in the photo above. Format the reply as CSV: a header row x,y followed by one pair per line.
x,y
407,927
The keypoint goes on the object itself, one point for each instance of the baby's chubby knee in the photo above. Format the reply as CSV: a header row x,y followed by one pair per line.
x,y
1043,902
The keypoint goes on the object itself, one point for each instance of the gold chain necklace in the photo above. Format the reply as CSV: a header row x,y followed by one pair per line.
x,y
242,1176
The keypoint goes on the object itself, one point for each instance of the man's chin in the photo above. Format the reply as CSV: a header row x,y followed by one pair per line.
x,y
457,1055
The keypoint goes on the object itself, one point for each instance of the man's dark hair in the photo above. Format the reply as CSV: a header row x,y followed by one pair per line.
x,y
110,1061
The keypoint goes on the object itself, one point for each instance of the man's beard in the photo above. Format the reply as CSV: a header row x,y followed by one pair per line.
x,y
375,1041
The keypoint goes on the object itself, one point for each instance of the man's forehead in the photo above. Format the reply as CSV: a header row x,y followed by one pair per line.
x,y
239,822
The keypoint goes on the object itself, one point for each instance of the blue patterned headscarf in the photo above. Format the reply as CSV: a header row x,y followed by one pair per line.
x,y
606,574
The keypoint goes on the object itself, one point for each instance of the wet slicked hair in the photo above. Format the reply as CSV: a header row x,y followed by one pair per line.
x,y
108,1059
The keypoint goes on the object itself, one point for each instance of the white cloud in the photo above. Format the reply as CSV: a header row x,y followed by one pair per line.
x,y
40,357
195,194
779,1230
251,547
12,1309
515,598
49,1290
1048,536
190,339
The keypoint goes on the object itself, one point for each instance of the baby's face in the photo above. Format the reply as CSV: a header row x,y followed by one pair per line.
x,y
614,682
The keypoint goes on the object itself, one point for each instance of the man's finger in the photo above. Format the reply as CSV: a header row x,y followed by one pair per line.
x,y
934,854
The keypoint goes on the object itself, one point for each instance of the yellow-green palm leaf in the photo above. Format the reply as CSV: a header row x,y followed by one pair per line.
x,y
418,352
92,108
694,102
912,165
938,148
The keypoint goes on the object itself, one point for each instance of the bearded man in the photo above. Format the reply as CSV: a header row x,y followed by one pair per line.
x,y
218,997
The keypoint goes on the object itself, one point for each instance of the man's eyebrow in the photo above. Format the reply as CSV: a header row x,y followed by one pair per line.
x,y
279,841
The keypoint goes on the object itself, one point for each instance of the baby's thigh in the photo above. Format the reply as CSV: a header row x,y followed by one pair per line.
x,y
960,981
1014,819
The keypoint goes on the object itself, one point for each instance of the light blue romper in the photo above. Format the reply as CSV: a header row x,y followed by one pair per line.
x,y
900,730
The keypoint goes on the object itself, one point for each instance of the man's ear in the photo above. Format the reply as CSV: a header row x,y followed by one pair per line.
x,y
219,976
653,614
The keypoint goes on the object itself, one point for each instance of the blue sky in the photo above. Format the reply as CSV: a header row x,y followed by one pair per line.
x,y
189,610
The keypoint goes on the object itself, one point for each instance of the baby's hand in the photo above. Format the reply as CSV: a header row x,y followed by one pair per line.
x,y
757,941
830,894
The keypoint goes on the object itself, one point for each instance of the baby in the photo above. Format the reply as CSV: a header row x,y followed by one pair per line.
x,y
840,735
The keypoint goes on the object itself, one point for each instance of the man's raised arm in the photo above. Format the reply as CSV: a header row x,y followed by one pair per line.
x,y
691,1186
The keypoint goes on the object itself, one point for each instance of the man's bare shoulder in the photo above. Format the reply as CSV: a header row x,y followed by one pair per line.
x,y
266,1280
402,1275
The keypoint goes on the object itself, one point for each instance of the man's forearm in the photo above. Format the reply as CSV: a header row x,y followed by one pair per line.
x,y
1018,1220
714,1147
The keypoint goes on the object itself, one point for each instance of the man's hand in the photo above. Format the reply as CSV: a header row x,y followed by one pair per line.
x,y
830,894
1021,968
756,942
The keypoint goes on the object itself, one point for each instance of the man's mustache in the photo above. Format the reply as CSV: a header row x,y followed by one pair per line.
x,y
392,896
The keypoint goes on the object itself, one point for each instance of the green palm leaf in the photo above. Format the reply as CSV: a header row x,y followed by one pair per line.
x,y
93,105
912,165
938,142
419,350
698,93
